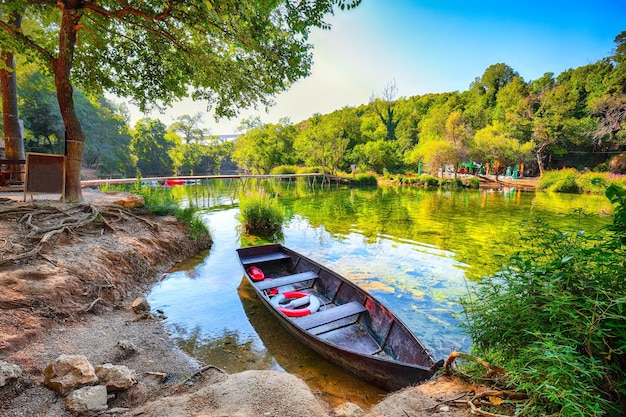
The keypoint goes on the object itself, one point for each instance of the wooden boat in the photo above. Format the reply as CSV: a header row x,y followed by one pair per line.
x,y
336,318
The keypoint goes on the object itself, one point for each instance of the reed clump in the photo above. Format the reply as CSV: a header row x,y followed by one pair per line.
x,y
260,214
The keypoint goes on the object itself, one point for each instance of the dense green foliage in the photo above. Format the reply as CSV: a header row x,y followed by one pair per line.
x,y
554,317
285,170
563,181
260,215
573,119
617,195
114,148
103,122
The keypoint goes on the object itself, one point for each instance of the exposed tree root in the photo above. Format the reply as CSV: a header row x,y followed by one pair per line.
x,y
201,371
93,304
494,399
42,222
490,398
492,370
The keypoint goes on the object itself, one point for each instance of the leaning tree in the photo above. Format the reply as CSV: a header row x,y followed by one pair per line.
x,y
229,53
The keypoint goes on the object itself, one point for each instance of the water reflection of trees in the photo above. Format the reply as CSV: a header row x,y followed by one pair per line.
x,y
479,226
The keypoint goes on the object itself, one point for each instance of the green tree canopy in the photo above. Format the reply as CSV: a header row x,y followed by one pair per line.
x,y
152,146
264,147
493,145
231,53
104,124
323,141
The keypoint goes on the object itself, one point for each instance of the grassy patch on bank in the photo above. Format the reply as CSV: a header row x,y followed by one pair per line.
x,y
571,181
365,179
160,201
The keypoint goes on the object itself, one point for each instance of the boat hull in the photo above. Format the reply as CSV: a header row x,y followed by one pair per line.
x,y
363,337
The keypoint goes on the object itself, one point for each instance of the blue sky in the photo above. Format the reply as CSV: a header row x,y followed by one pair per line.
x,y
433,46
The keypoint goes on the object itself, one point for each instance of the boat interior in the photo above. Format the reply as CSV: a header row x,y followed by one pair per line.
x,y
348,317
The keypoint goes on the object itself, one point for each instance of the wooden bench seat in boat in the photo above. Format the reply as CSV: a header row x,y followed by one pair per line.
x,y
269,257
330,315
286,280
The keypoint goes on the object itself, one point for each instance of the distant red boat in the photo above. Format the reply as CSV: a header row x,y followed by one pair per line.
x,y
170,182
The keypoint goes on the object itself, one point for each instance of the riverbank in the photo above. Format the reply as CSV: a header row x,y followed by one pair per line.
x,y
68,290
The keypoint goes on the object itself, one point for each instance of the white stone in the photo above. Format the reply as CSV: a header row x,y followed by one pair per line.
x,y
87,400
8,371
116,377
348,409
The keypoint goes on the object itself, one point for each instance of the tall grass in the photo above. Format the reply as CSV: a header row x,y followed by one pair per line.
x,y
554,317
473,182
593,182
260,215
311,170
284,170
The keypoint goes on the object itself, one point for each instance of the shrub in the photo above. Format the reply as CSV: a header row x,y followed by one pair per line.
x,y
473,182
563,181
429,180
260,215
310,170
603,167
548,179
570,181
284,170
451,183
554,318
197,228
365,179
593,182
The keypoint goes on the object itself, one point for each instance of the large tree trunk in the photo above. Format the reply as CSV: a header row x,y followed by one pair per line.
x,y
13,141
74,136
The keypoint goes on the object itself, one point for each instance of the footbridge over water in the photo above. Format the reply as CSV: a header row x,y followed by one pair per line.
x,y
314,179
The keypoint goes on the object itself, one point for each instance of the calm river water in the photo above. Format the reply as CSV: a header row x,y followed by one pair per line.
x,y
416,250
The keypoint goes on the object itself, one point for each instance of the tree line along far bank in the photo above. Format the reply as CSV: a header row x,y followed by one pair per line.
x,y
575,119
